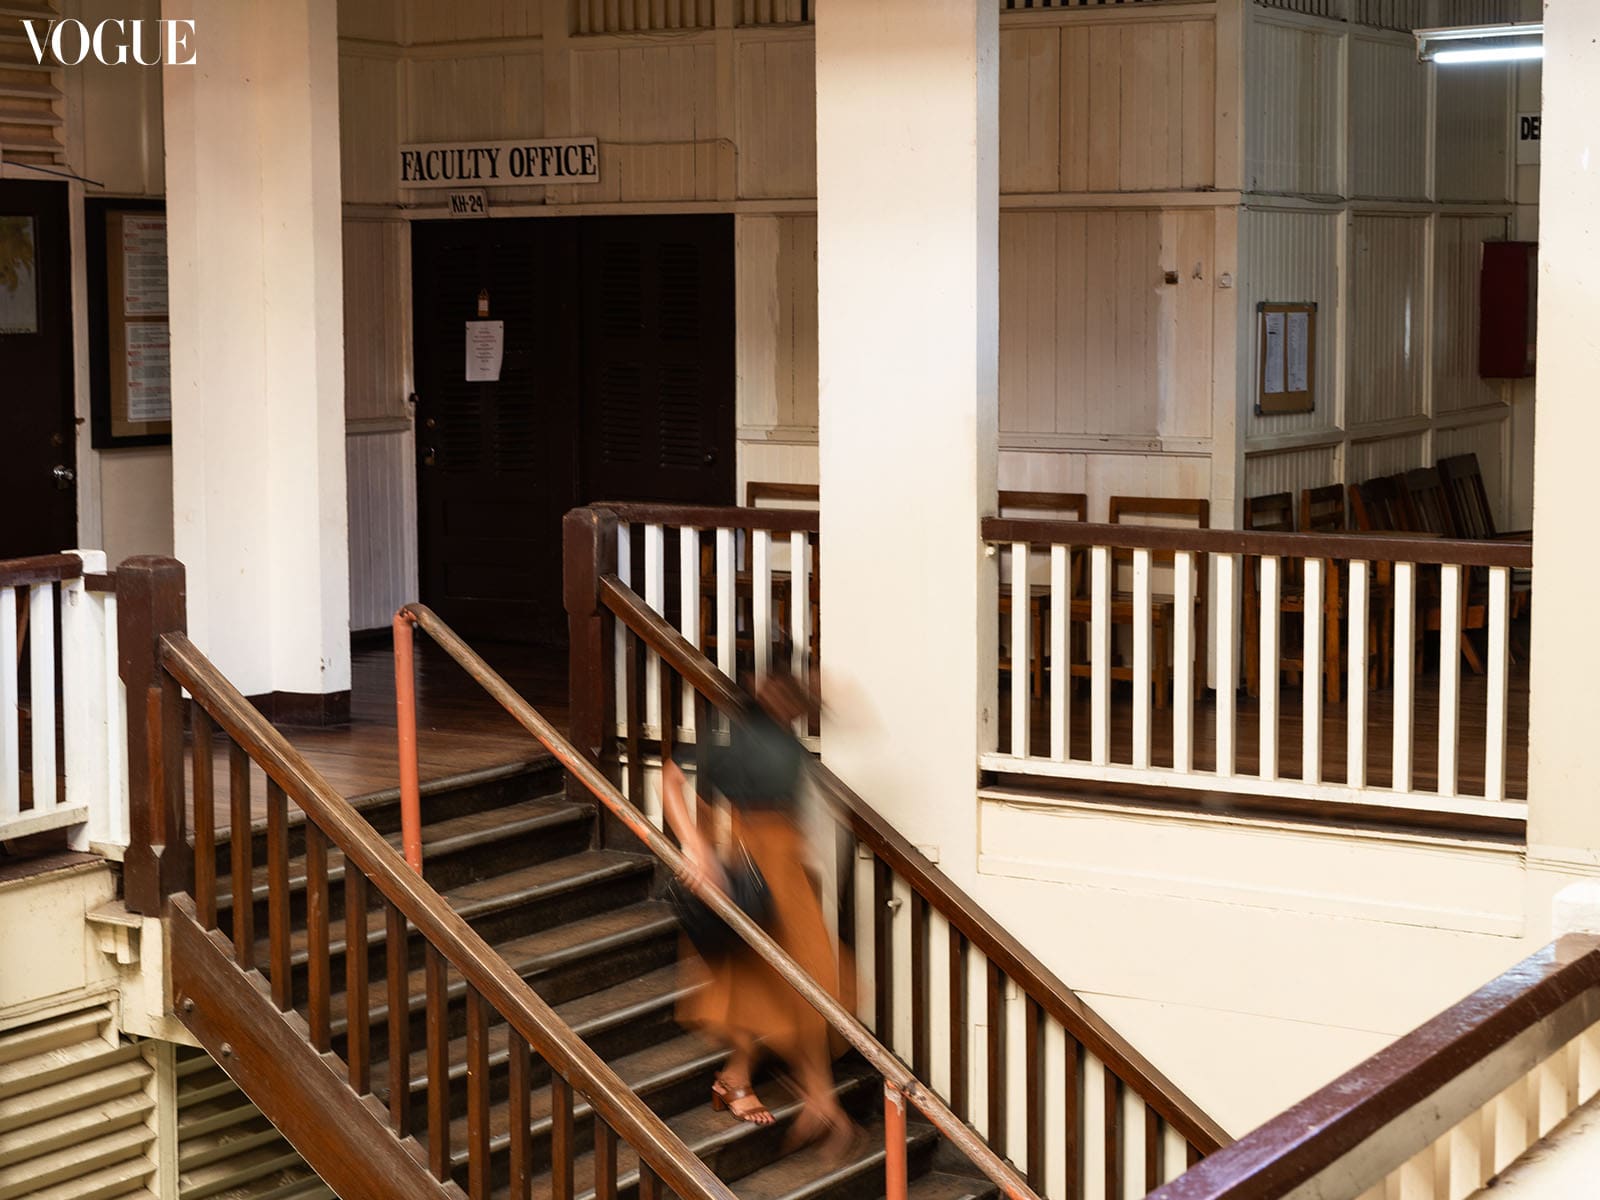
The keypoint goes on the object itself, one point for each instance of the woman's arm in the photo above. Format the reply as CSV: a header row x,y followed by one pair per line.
x,y
704,866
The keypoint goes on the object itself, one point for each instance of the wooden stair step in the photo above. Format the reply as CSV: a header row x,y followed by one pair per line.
x,y
65,1062
648,995
541,883
946,1185
109,1183
69,1129
645,1072
455,835
612,932
70,1164
98,1087
807,1174
235,1172
43,1036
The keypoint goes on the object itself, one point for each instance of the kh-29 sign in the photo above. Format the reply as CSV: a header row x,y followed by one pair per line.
x,y
499,164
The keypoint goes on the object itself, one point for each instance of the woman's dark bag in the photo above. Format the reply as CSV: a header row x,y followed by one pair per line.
x,y
709,933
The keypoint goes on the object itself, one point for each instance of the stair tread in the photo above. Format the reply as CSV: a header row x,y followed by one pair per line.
x,y
946,1185
586,1016
452,835
643,1071
478,899
807,1173
533,954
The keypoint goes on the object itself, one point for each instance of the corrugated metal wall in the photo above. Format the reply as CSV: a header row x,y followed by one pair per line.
x,y
1471,145
1290,256
1457,253
1388,281
1295,97
1292,470
1388,120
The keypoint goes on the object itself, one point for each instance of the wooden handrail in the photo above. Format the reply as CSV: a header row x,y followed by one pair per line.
x,y
42,568
895,1073
775,520
485,971
924,878
1369,547
1477,1048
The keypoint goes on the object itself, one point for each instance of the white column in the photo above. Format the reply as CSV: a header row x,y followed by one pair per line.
x,y
1564,821
908,313
253,202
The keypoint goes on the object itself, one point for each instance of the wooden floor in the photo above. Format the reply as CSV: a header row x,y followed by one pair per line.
x,y
459,728
1380,726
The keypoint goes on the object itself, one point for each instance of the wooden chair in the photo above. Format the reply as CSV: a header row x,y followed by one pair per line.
x,y
1322,509
1271,514
1382,504
1162,611
1462,478
1061,506
1430,510
783,495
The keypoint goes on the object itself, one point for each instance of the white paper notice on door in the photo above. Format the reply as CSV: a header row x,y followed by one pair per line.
x,y
486,345
1272,372
1299,350
149,367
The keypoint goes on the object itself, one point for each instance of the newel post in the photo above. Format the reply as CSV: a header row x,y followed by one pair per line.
x,y
589,552
159,861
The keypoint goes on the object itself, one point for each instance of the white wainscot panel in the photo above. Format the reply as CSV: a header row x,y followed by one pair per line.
x,y
1291,471
777,117
1101,476
1387,296
381,482
1289,256
1472,138
1295,90
1388,119
369,127
1385,456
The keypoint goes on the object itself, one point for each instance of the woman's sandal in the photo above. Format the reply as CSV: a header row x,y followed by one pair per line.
x,y
723,1096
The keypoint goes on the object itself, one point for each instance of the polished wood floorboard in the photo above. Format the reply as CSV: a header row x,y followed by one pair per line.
x,y
459,728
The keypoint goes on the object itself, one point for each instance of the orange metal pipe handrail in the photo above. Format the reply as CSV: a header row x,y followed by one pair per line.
x,y
894,1143
405,714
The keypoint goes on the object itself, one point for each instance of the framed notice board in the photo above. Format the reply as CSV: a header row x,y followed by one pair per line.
x,y
1286,373
130,365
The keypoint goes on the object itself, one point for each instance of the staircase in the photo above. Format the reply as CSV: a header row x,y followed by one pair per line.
x,y
579,923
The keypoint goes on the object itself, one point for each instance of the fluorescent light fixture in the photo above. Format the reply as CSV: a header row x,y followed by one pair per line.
x,y
1481,43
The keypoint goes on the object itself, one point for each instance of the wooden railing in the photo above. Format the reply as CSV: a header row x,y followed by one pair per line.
x,y
1439,1113
1125,601
902,1087
935,960
72,775
375,878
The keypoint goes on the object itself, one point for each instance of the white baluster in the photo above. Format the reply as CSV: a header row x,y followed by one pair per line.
x,y
85,713
1268,674
727,580
1019,650
800,612
1060,654
1141,658
119,830
42,675
689,612
1405,665
1494,754
1449,675
10,752
1311,674
761,601
1356,686
619,659
1100,655
1183,563
655,595
1227,666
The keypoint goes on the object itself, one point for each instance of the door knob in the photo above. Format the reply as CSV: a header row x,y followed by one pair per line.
x,y
64,476
711,457
428,457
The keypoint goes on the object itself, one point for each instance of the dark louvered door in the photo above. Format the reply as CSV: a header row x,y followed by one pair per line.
x,y
496,462
658,359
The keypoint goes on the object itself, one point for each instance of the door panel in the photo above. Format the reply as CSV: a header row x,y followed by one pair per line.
x,y
38,490
496,462
658,301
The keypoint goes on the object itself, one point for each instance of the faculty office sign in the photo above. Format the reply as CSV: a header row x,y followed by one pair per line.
x,y
499,164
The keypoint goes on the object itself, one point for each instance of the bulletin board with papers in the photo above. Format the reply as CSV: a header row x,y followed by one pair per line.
x,y
131,361
1286,378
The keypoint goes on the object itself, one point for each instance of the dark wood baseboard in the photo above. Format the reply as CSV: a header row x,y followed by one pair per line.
x,y
313,710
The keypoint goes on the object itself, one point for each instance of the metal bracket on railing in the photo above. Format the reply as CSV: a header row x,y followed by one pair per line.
x,y
405,713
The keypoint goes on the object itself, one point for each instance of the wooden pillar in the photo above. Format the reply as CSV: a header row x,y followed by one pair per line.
x,y
159,861
589,553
